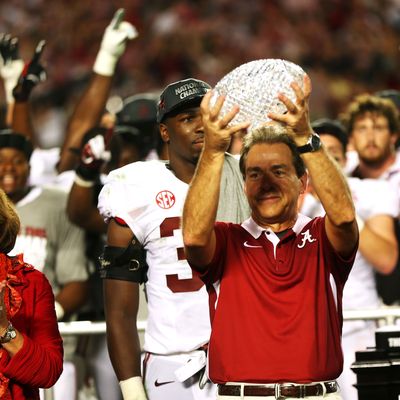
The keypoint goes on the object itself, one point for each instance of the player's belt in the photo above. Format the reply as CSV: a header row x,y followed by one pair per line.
x,y
280,390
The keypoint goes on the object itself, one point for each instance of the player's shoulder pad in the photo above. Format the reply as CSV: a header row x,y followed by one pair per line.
x,y
140,171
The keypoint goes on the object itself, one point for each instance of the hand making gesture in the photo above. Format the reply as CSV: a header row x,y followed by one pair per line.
x,y
297,119
217,128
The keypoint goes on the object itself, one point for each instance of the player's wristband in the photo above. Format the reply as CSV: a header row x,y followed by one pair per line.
x,y
132,389
82,182
22,91
105,63
87,173
60,312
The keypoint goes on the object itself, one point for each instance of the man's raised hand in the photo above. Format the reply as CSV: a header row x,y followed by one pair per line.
x,y
32,74
113,44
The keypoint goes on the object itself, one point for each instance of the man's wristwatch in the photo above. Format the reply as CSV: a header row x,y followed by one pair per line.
x,y
9,334
313,144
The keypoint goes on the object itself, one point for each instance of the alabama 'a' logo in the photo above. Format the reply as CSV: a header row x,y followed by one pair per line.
x,y
306,238
165,199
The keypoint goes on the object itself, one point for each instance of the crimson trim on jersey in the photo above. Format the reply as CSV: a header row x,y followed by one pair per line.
x,y
120,222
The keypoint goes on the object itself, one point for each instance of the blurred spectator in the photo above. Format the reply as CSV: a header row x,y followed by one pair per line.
x,y
111,140
19,80
29,331
48,240
140,111
373,127
376,207
91,105
349,46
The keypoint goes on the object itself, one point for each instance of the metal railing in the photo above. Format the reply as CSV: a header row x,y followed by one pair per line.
x,y
89,327
383,315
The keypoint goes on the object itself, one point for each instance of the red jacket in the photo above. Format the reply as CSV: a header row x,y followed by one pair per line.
x,y
39,362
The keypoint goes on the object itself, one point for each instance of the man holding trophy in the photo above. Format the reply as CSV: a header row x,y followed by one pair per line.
x,y
275,281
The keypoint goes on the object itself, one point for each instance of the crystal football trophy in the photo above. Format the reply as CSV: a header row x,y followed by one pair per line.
x,y
254,87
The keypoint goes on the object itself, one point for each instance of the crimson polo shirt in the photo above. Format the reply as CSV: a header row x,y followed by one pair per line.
x,y
275,304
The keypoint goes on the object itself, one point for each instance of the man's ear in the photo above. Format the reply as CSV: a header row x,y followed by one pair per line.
x,y
164,132
304,183
394,137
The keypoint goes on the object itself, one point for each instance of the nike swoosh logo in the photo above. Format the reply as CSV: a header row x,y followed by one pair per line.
x,y
156,383
251,246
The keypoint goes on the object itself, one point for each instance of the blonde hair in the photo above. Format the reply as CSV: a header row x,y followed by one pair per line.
x,y
9,224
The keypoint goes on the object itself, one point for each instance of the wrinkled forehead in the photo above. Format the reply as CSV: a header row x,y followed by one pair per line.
x,y
374,116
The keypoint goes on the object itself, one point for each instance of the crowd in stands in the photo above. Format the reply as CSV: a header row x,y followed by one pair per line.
x,y
345,46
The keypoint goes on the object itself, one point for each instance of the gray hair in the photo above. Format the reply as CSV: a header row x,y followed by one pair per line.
x,y
271,134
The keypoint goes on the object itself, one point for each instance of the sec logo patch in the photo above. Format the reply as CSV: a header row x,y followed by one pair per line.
x,y
165,199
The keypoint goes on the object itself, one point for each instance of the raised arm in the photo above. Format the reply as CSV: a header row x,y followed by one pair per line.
x,y
32,74
82,198
82,210
11,67
91,105
19,81
328,180
201,203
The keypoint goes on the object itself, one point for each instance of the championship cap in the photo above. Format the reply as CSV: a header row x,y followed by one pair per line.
x,y
179,95
9,138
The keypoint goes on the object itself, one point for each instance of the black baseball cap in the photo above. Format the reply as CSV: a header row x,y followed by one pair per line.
x,y
138,109
331,127
9,138
140,112
180,95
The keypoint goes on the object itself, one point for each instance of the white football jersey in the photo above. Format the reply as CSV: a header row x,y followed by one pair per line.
x,y
371,197
149,198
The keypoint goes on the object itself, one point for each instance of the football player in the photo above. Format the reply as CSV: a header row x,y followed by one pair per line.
x,y
142,203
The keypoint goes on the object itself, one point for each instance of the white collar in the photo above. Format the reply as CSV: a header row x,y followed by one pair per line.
x,y
256,230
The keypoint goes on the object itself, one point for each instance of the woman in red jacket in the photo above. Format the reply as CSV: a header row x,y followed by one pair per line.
x,y
31,352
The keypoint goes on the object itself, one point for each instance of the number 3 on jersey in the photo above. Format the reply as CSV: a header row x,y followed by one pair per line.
x,y
175,284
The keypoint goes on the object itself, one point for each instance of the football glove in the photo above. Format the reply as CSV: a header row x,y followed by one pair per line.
x,y
93,155
113,44
31,75
11,65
